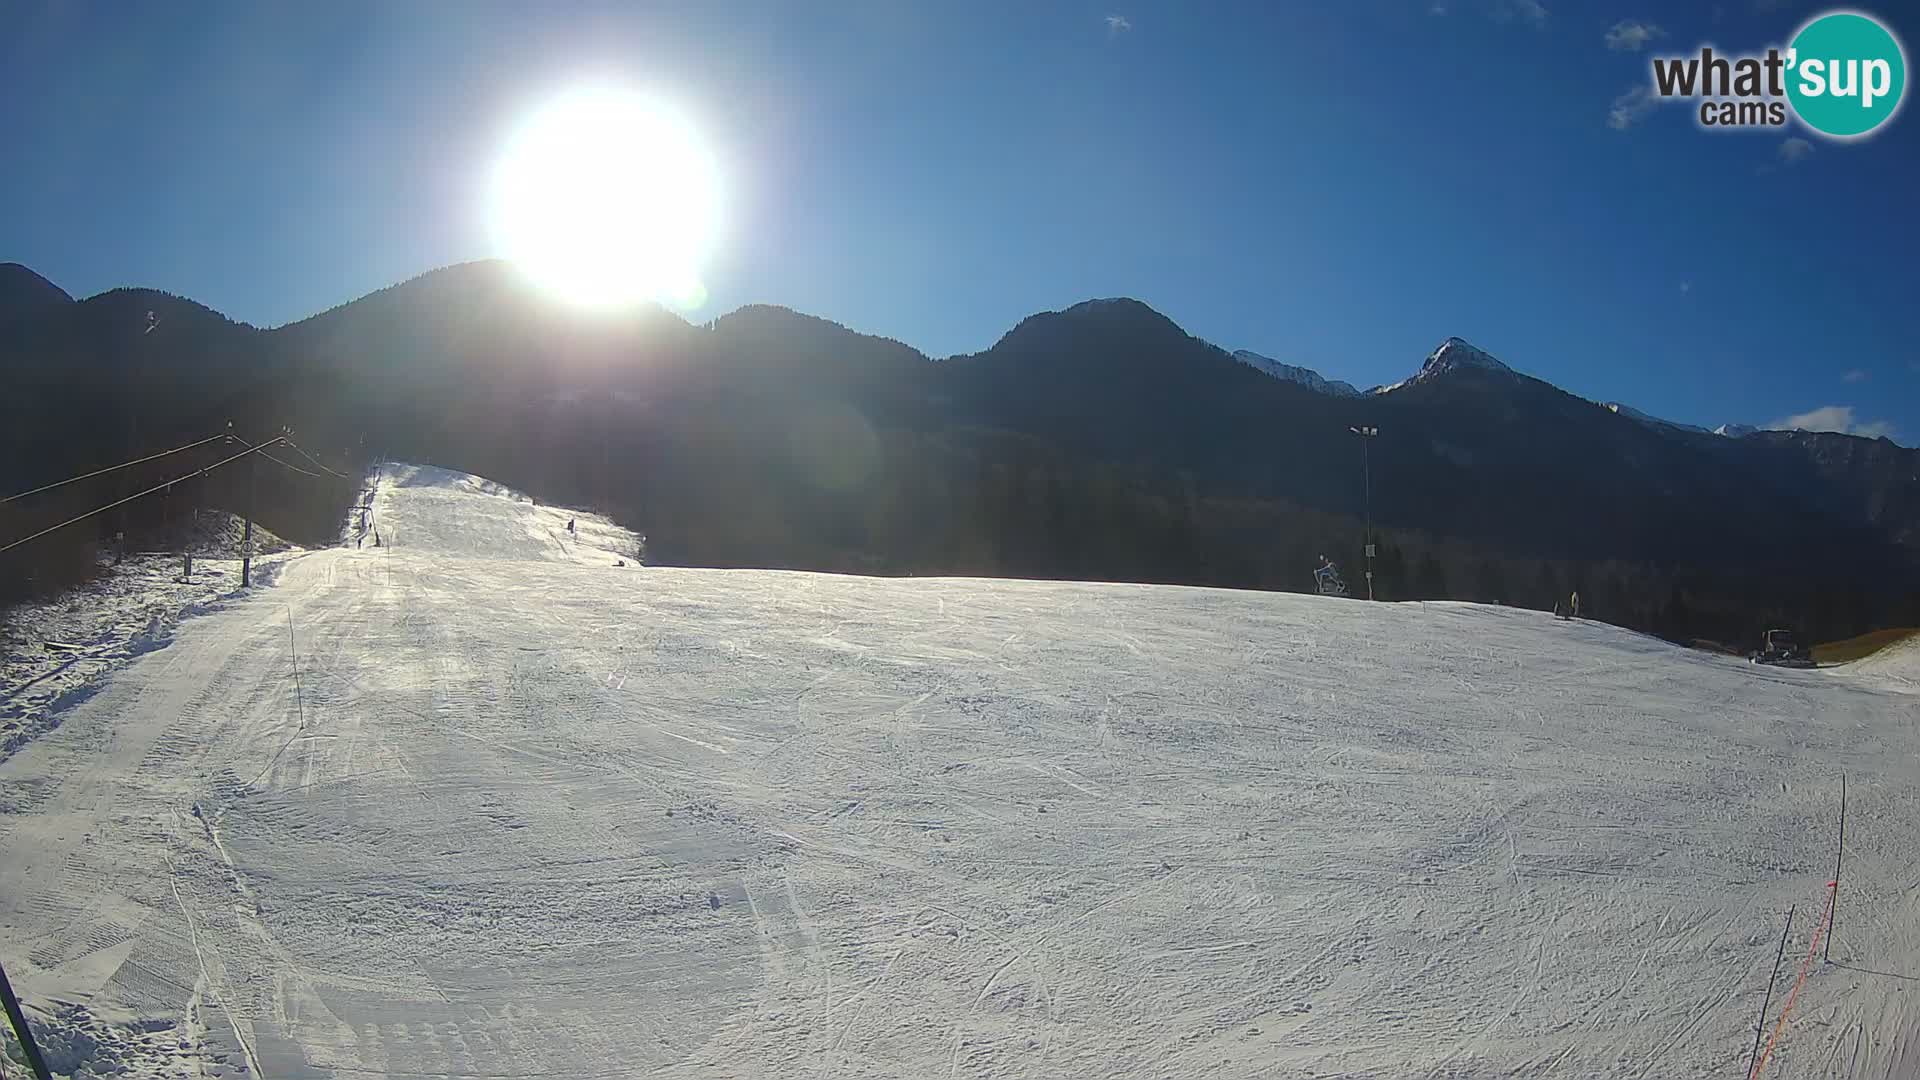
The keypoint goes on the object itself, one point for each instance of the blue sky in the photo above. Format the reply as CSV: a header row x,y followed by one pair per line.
x,y
1339,185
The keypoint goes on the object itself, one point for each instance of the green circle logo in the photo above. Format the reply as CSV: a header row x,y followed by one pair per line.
x,y
1846,74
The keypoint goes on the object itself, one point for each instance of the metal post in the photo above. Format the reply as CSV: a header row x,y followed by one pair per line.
x,y
1367,434
1839,850
246,535
20,1028
1366,473
1767,1001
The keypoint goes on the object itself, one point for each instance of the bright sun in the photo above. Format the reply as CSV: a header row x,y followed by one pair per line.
x,y
606,198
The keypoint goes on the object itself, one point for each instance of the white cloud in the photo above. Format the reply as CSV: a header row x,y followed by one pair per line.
x,y
1629,108
1795,150
1825,418
1856,375
1530,12
1118,24
1834,418
1438,8
1628,35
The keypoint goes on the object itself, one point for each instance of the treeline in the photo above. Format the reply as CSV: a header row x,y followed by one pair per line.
x,y
89,385
306,509
839,496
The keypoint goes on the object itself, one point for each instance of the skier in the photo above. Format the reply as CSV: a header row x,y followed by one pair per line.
x,y
570,531
1576,603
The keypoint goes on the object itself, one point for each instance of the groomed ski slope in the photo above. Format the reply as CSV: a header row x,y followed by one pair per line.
x,y
520,812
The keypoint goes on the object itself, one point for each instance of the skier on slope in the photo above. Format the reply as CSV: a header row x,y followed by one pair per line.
x,y
570,531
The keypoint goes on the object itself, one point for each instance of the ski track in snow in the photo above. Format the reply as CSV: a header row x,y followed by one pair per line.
x,y
133,608
546,816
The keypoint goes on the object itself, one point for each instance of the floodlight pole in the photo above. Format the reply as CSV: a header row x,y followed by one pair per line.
x,y
1367,434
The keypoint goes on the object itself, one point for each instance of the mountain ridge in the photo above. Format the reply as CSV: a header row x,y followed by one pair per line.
x,y
1306,377
498,276
24,292
1101,441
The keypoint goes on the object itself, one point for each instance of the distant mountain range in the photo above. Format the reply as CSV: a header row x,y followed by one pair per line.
x,y
1453,352
1098,441
1306,377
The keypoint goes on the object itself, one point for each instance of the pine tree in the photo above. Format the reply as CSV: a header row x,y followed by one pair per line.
x,y
1491,584
1390,572
1675,622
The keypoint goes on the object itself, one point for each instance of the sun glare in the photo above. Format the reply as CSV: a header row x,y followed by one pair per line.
x,y
606,198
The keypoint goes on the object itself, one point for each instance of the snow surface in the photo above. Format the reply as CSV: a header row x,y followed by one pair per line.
x,y
480,803
1306,377
54,653
435,513
1898,663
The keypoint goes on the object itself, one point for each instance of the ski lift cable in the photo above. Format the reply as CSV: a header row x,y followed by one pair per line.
x,y
284,441
122,502
262,450
317,463
112,468
293,468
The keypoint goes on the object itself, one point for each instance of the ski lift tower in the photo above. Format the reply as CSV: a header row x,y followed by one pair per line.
x,y
1367,435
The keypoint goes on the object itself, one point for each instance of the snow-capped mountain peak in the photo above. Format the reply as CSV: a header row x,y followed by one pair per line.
x,y
1632,413
1735,431
1454,354
1459,353
1306,377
